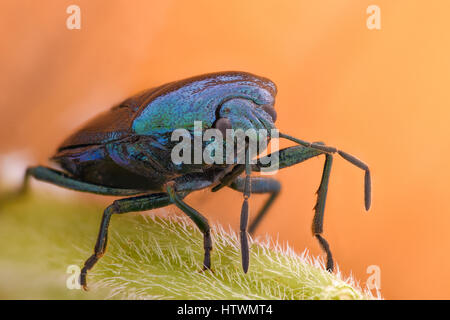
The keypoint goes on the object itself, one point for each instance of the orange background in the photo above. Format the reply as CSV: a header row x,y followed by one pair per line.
x,y
382,95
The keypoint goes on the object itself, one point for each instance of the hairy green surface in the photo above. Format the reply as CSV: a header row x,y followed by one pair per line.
x,y
148,257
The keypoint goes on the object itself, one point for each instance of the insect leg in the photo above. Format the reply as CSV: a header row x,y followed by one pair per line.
x,y
297,154
63,180
319,208
352,159
245,251
259,185
198,219
140,203
286,157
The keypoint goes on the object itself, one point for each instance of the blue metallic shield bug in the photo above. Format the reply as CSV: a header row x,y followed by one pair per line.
x,y
126,151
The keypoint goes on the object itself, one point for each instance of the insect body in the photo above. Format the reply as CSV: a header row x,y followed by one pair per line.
x,y
126,151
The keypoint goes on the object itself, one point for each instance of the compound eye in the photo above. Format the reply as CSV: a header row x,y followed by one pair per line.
x,y
271,111
222,125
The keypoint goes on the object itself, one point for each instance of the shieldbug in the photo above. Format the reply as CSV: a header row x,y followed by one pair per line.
x,y
126,151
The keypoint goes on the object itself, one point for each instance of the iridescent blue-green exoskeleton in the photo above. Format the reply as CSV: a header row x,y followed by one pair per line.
x,y
126,151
